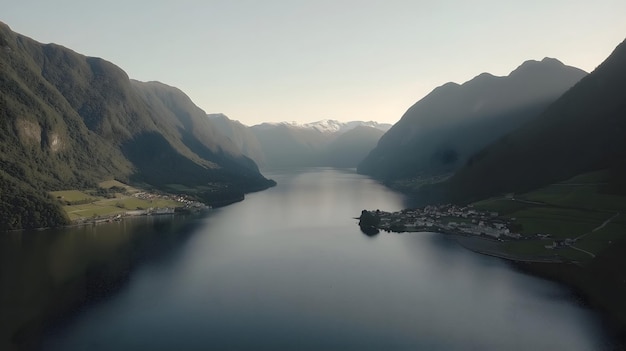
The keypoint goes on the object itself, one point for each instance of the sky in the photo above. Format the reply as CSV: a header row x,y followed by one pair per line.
x,y
296,60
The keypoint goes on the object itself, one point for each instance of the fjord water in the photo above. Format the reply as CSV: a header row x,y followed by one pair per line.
x,y
289,269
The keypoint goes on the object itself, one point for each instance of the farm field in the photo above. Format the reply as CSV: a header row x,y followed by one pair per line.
x,y
120,198
576,211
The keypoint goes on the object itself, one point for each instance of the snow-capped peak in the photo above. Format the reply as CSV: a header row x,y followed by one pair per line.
x,y
330,125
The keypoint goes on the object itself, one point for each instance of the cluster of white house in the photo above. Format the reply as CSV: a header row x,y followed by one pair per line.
x,y
447,218
179,198
151,211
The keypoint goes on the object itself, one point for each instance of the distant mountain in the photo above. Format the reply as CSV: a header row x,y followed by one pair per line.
x,y
349,148
291,144
241,135
69,121
328,125
440,132
584,130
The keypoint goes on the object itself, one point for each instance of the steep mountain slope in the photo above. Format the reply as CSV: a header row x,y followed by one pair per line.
x,y
351,147
192,135
241,135
442,130
69,121
584,130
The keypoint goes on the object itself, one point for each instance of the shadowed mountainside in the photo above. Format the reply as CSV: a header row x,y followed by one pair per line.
x,y
241,135
584,130
351,147
442,130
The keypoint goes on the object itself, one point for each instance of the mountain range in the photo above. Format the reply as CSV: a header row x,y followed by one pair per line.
x,y
290,144
582,131
440,132
69,121
327,125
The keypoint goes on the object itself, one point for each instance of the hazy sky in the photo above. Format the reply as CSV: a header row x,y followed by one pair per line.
x,y
276,60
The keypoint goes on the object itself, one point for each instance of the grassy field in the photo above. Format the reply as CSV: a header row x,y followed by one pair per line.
x,y
583,192
599,240
528,247
570,209
107,184
90,210
588,178
577,195
574,206
96,206
71,195
108,207
503,206
560,223
537,248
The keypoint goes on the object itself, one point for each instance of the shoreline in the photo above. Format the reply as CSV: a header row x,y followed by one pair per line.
x,y
477,244
594,288
209,202
484,245
597,285
28,335
117,217
111,219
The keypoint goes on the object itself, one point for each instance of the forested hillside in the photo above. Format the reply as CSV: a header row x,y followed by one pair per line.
x,y
68,121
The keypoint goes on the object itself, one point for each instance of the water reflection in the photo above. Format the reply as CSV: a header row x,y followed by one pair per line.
x,y
289,269
48,275
369,231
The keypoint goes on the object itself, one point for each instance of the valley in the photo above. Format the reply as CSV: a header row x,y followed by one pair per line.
x,y
324,143
300,264
123,223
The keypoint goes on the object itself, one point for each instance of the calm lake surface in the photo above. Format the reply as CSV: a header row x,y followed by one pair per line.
x,y
289,269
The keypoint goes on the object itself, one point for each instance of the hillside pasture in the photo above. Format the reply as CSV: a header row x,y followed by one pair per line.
x,y
72,196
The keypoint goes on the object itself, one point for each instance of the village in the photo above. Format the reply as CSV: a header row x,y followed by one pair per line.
x,y
144,204
185,201
448,219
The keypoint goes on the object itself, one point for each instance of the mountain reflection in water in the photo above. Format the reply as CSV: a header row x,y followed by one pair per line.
x,y
287,268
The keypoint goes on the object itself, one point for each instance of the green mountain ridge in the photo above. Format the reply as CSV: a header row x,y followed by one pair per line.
x,y
69,121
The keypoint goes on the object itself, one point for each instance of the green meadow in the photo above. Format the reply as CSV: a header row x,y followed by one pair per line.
x,y
83,204
574,209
